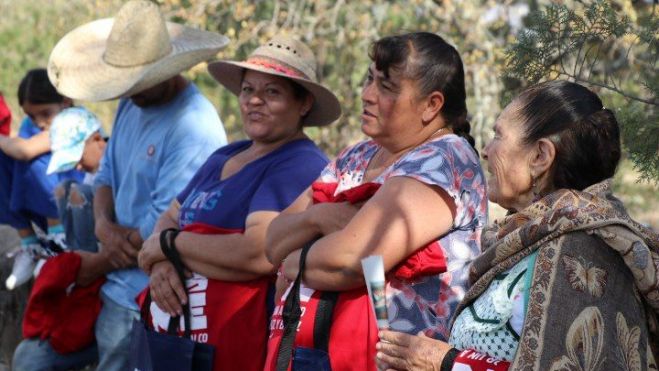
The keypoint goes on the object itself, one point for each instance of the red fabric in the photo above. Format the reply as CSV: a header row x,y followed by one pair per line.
x,y
474,361
5,117
354,330
231,316
60,311
353,334
324,192
277,66
425,261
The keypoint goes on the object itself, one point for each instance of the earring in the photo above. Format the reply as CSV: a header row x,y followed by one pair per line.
x,y
534,188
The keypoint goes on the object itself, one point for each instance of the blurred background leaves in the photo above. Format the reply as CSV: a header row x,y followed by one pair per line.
x,y
611,46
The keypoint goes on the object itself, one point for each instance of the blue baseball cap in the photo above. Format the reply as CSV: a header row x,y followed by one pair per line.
x,y
68,133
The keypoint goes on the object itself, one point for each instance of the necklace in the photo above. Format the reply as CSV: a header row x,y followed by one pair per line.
x,y
436,132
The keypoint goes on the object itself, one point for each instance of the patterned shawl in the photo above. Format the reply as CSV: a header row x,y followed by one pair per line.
x,y
594,298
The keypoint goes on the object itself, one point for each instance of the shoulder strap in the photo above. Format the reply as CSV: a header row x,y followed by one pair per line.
x,y
291,315
323,321
145,309
168,248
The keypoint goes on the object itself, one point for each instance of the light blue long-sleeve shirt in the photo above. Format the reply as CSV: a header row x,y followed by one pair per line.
x,y
151,156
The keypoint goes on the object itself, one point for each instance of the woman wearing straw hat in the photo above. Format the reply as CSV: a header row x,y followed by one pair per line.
x,y
220,218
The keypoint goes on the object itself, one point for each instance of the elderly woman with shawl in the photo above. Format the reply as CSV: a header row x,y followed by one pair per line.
x,y
567,281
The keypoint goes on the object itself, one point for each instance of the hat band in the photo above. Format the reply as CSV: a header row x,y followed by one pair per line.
x,y
277,66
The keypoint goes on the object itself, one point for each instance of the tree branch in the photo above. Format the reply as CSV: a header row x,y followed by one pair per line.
x,y
652,102
595,59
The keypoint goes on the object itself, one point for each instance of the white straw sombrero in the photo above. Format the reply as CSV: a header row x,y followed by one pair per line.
x,y
121,56
286,57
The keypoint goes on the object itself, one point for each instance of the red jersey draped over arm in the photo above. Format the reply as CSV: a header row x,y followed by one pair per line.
x,y
426,260
220,311
352,320
232,316
425,289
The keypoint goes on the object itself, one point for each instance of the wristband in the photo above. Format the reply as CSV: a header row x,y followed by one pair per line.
x,y
168,247
449,359
167,237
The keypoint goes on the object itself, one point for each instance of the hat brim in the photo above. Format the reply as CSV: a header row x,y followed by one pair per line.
x,y
325,109
65,159
77,69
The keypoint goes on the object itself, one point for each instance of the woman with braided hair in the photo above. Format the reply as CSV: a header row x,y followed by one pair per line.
x,y
414,193
566,281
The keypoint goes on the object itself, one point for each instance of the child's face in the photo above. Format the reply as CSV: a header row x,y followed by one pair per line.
x,y
42,114
92,154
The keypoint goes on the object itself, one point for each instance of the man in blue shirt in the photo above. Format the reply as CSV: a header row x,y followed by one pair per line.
x,y
156,147
163,131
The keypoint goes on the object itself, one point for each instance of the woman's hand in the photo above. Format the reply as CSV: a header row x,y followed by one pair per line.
x,y
167,290
151,253
400,351
332,217
280,287
291,266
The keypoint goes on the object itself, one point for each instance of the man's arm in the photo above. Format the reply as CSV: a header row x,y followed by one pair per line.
x,y
93,266
122,243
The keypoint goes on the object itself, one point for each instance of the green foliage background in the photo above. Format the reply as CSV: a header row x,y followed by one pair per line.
x,y
612,47
340,32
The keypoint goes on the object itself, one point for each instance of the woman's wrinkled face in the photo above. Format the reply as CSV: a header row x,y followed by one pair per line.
x,y
42,114
269,108
509,182
390,104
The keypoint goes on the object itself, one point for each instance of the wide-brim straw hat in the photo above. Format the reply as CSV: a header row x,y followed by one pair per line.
x,y
121,56
286,57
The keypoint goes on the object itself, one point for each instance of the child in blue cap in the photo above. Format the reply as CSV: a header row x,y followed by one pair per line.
x,y
78,142
26,191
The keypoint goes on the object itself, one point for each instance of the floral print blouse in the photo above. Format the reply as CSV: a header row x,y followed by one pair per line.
x,y
427,302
